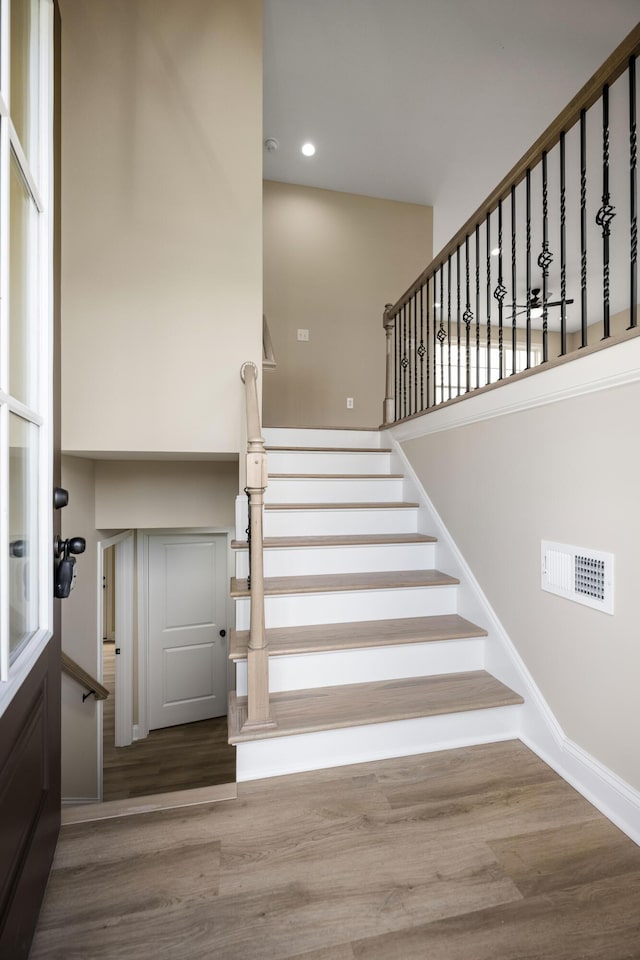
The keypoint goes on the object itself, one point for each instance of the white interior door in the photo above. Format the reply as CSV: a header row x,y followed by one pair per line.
x,y
186,617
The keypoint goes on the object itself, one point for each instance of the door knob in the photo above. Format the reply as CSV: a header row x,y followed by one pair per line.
x,y
223,633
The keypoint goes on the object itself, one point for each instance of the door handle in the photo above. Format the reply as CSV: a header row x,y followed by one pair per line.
x,y
65,571
223,633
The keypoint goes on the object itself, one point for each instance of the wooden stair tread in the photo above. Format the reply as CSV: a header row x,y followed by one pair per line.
x,y
326,637
329,449
360,505
330,708
336,476
341,540
341,582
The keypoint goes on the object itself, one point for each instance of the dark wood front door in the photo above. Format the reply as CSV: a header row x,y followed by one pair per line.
x,y
30,725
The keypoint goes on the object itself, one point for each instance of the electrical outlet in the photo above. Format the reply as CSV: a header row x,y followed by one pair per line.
x,y
349,403
303,335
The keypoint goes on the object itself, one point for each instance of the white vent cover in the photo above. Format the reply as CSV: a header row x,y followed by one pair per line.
x,y
576,573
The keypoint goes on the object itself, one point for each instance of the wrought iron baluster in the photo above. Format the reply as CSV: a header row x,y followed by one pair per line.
x,y
468,314
499,294
563,248
514,332
545,258
436,339
416,355
633,198
426,340
528,258
421,348
488,378
442,336
458,316
583,226
449,324
605,215
404,361
477,305
397,367
409,357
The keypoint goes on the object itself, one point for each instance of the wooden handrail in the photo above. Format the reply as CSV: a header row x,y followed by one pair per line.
x,y
258,710
608,73
73,669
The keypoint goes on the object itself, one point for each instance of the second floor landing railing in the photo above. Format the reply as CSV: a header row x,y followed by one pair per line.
x,y
546,267
258,708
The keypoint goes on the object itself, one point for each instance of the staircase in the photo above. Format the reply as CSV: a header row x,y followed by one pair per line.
x,y
368,657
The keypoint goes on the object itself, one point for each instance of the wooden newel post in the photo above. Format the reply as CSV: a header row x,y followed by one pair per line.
x,y
258,710
388,406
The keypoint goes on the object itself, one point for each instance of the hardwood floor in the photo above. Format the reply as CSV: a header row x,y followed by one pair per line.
x,y
481,853
176,758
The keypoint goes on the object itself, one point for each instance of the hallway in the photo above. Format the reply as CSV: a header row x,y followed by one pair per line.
x,y
176,758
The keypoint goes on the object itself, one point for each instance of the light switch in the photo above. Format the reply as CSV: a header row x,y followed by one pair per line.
x,y
303,335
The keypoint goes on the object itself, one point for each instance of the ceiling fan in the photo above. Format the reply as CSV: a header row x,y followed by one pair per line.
x,y
536,305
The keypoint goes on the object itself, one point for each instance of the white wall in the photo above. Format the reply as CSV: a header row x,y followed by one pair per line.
x,y
161,221
566,471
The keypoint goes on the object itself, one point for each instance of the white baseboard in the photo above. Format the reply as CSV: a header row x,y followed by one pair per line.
x,y
278,756
539,728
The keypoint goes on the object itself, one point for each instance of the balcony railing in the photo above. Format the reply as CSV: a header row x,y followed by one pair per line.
x,y
546,267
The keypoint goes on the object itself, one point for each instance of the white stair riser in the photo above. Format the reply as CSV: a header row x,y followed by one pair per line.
x,y
378,741
287,437
310,561
306,461
318,523
348,607
333,490
368,665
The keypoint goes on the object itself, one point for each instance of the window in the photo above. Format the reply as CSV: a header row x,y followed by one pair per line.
x,y
451,366
26,134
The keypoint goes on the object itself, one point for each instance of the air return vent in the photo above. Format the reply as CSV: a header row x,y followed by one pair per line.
x,y
585,576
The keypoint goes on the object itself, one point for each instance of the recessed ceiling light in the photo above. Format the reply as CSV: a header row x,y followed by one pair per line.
x,y
436,303
307,149
495,252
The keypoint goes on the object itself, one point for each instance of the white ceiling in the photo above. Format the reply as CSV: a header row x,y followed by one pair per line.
x,y
426,101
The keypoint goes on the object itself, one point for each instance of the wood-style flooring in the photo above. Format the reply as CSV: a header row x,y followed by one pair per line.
x,y
481,853
176,758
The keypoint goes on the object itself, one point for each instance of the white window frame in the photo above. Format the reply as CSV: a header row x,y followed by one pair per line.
x,y
39,181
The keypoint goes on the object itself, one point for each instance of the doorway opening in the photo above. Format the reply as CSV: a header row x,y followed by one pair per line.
x,y
164,611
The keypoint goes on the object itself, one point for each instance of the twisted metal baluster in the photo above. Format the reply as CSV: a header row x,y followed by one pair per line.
x,y
545,258
468,314
499,294
633,198
605,215
488,380
513,280
528,258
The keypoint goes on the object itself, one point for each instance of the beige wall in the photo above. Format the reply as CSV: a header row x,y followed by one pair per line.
x,y
331,262
139,494
161,221
566,472
79,635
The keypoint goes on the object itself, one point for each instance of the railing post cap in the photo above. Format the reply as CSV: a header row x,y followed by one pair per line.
x,y
248,363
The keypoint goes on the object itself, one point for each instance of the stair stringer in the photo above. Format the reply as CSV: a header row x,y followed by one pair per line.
x,y
537,725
